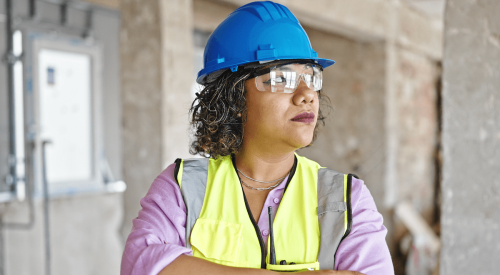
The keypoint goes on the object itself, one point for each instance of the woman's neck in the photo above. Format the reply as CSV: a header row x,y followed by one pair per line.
x,y
263,166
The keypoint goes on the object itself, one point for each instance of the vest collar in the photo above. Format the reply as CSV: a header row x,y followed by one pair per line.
x,y
290,176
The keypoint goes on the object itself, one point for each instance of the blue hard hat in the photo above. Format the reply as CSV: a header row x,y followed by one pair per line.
x,y
258,31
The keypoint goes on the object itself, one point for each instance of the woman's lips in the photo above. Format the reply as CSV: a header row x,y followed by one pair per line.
x,y
304,117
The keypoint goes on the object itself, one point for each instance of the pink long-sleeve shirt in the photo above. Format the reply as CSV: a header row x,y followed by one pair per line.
x,y
158,233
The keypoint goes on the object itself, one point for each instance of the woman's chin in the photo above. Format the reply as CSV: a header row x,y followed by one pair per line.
x,y
300,141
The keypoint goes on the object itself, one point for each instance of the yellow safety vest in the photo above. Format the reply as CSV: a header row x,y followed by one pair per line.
x,y
313,217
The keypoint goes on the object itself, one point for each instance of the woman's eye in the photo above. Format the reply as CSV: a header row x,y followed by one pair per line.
x,y
278,79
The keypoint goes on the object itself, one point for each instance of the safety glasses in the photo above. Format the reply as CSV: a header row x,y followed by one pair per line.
x,y
286,78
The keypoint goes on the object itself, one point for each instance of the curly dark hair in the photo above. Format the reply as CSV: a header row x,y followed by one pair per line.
x,y
219,111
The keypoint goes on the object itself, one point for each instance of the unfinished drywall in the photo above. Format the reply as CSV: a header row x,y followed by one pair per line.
x,y
471,138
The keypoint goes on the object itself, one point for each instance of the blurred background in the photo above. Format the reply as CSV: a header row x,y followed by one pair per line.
x,y
94,99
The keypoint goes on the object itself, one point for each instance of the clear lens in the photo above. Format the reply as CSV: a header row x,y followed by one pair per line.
x,y
286,78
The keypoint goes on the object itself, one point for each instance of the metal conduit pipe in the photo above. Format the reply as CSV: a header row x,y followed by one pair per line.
x,y
32,9
46,200
10,58
31,207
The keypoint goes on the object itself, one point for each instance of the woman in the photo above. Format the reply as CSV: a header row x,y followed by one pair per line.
x,y
260,103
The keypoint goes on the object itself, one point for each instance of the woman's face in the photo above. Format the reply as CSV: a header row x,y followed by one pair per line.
x,y
281,121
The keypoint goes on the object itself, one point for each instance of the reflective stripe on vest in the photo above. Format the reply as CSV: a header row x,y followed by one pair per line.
x,y
192,181
310,223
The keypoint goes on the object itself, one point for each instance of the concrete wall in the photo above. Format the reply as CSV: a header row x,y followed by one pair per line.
x,y
177,65
140,53
471,138
157,60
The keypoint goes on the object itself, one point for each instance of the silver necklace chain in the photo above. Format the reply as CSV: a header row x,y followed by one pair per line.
x,y
260,180
261,189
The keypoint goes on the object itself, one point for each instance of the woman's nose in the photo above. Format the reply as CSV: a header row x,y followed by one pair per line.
x,y
303,94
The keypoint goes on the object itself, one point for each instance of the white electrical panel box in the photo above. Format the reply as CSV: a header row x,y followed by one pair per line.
x,y
66,77
65,100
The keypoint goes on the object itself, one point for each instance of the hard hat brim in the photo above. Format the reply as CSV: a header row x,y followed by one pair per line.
x,y
202,75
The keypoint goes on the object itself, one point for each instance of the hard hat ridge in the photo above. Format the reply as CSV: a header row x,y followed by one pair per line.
x,y
268,10
257,31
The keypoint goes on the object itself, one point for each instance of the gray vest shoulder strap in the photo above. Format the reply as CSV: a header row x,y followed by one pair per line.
x,y
193,187
332,211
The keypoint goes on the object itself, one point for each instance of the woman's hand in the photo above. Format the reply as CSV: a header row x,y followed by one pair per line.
x,y
191,265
